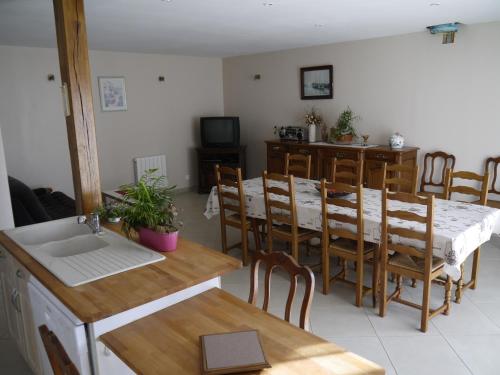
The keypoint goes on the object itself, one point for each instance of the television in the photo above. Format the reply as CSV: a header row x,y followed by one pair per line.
x,y
220,131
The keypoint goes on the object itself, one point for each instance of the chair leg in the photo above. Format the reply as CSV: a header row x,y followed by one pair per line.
x,y
244,246
475,268
399,284
295,249
223,238
344,268
256,235
413,283
325,269
269,242
425,305
382,303
460,285
447,295
359,283
375,272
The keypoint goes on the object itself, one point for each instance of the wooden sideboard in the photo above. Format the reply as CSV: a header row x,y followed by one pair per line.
x,y
323,153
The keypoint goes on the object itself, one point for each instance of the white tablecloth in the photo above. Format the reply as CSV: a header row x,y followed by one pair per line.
x,y
459,228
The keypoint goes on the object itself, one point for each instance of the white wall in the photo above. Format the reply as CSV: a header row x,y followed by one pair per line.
x,y
438,96
161,117
6,219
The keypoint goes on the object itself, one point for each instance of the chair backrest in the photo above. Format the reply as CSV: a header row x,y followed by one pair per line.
x,y
346,170
452,187
282,260
58,358
298,165
402,232
491,167
330,216
436,163
280,208
233,200
398,176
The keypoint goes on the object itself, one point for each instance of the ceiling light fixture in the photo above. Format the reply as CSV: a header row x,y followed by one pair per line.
x,y
434,4
266,4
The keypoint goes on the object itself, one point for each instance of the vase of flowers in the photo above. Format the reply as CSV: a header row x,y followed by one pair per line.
x,y
150,211
314,123
344,132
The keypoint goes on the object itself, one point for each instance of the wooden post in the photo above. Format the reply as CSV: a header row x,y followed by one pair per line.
x,y
77,92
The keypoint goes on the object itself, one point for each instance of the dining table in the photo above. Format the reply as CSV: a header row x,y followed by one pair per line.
x,y
459,228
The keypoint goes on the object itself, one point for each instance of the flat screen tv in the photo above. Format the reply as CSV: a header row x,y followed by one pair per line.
x,y
220,131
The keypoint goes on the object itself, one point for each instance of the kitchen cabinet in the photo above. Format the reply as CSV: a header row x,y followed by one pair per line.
x,y
14,280
323,153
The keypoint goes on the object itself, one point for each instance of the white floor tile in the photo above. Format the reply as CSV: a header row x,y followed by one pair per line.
x,y
480,353
491,310
465,319
423,355
367,347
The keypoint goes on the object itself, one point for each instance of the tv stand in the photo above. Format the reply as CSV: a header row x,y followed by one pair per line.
x,y
209,157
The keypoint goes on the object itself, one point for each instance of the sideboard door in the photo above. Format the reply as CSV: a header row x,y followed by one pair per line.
x,y
373,174
276,158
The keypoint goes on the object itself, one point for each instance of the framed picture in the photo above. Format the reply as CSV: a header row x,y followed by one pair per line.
x,y
112,92
316,82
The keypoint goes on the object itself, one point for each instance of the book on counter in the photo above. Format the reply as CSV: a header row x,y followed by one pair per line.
x,y
232,352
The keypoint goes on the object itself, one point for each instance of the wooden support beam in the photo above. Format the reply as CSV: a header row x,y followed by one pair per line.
x,y
77,89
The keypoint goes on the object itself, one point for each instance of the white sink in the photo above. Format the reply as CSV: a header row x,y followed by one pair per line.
x,y
75,255
49,231
73,246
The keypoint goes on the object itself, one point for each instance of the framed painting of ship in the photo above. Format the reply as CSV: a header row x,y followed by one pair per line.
x,y
316,82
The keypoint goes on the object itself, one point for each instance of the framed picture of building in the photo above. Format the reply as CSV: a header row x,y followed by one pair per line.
x,y
316,82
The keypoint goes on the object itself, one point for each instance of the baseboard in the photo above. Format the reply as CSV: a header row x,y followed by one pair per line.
x,y
186,189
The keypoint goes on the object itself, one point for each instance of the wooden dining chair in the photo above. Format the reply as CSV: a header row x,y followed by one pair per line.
x,y
435,164
491,167
59,361
281,213
411,255
233,210
481,194
400,177
347,171
298,165
349,245
290,265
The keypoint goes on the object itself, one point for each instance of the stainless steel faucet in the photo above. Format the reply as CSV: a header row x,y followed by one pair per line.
x,y
93,223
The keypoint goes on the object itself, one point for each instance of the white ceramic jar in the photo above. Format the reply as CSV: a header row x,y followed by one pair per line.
x,y
397,141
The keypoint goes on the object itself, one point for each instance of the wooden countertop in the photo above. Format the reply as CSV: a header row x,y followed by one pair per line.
x,y
191,264
168,341
324,144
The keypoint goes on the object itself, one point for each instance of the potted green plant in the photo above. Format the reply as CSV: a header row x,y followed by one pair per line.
x,y
150,211
111,212
344,131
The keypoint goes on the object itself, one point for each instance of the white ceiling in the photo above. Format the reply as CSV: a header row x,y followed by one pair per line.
x,y
235,27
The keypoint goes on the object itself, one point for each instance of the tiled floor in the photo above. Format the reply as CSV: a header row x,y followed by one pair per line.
x,y
466,342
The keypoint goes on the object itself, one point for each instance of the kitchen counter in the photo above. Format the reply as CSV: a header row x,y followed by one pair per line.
x,y
165,343
190,265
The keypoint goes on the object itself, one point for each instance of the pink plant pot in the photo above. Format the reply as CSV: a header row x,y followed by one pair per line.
x,y
158,241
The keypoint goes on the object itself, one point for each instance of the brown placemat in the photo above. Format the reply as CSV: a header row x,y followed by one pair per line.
x,y
229,353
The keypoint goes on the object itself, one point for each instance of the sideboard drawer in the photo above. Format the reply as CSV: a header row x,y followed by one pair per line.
x,y
381,156
277,148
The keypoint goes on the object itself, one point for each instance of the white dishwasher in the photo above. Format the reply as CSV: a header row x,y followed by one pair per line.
x,y
66,326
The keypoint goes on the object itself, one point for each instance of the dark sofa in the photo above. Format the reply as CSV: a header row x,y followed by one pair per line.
x,y
38,205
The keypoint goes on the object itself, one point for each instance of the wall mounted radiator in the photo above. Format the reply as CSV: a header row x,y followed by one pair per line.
x,y
158,162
